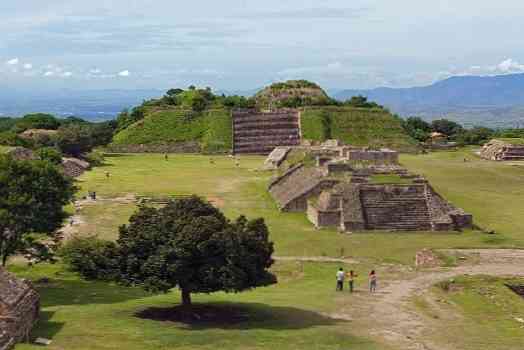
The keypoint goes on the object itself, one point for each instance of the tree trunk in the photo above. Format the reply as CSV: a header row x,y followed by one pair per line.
x,y
186,298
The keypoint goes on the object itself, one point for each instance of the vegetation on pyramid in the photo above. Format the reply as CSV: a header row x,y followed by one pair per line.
x,y
195,119
373,127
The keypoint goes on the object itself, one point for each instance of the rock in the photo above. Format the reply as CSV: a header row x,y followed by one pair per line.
x,y
43,341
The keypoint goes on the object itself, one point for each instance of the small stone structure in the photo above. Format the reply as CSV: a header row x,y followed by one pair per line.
x,y
74,167
386,207
503,150
295,186
276,158
19,310
259,132
21,153
337,193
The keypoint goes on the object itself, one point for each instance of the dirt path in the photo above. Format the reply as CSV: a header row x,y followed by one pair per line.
x,y
324,259
389,316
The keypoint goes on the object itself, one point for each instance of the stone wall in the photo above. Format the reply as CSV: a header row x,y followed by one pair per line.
x,y
377,157
19,310
256,132
502,151
179,147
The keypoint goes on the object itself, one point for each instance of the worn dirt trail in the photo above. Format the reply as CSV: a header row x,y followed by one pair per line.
x,y
389,316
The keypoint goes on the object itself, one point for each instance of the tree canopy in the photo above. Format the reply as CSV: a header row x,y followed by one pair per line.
x,y
32,197
191,245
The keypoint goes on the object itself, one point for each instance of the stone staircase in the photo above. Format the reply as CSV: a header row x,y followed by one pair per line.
x,y
261,132
402,209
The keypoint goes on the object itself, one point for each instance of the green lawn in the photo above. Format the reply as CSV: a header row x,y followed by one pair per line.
x,y
476,312
93,315
492,191
290,315
243,191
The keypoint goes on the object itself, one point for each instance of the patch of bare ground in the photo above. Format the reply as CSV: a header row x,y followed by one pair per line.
x,y
388,316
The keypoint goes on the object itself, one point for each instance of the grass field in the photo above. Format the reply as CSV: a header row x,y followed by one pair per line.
x,y
356,126
291,314
476,186
212,129
476,312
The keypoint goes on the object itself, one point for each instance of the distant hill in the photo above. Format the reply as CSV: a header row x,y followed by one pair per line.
x,y
496,101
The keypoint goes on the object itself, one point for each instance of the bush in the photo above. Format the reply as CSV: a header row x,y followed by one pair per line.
x,y
92,258
95,158
50,154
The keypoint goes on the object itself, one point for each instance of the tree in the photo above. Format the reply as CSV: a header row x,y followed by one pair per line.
x,y
446,127
32,197
191,245
75,139
50,154
37,121
417,128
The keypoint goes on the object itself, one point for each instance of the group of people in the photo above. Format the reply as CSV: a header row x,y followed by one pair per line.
x,y
342,275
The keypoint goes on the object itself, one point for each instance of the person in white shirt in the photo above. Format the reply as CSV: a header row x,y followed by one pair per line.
x,y
340,279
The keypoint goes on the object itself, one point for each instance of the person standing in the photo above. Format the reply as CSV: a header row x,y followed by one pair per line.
x,y
372,281
340,280
351,280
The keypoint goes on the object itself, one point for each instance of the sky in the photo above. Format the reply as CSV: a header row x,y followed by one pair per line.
x,y
240,44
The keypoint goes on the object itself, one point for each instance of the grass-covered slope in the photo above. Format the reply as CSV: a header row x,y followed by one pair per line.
x,y
356,126
210,128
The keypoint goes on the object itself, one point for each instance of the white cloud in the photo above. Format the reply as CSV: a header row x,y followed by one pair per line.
x,y
510,66
28,66
67,74
95,71
13,62
124,73
49,73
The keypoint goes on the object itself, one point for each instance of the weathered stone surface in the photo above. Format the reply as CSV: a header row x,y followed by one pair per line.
x,y
21,153
74,167
256,132
276,157
502,150
19,310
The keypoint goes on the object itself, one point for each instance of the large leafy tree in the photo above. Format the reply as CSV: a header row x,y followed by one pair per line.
x,y
187,244
32,197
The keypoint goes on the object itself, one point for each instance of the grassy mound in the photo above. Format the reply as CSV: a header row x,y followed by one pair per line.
x,y
210,128
356,126
292,94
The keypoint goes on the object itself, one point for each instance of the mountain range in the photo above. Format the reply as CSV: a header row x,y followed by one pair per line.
x,y
496,101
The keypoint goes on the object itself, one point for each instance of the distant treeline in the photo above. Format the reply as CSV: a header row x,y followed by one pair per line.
x,y
70,136
421,130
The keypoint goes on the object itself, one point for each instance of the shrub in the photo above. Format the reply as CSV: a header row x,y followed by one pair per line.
x,y
93,258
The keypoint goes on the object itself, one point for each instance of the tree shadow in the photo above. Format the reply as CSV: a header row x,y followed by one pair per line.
x,y
45,328
237,316
115,155
61,292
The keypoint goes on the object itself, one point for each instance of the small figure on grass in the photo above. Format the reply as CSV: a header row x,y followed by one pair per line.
x,y
351,280
166,156
340,279
108,174
372,281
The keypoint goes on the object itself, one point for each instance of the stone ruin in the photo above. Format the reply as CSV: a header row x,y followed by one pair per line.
x,y
259,132
19,310
337,193
503,150
21,153
74,167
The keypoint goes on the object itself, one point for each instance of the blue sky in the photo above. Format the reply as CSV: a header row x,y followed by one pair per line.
x,y
244,44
